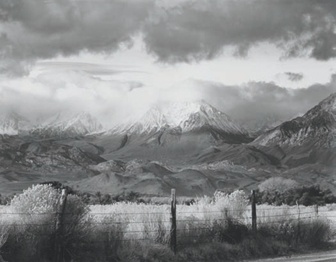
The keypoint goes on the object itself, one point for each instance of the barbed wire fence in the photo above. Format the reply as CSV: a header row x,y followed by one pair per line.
x,y
180,227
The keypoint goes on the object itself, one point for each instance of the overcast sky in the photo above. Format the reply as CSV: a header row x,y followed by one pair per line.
x,y
250,58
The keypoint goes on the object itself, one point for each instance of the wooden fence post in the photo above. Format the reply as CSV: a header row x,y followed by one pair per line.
x,y
59,248
316,210
173,238
298,222
254,212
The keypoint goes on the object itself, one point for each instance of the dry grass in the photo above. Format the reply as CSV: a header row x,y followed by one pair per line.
x,y
207,210
207,228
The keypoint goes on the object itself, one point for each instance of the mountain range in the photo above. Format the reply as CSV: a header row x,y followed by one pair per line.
x,y
12,123
190,146
183,117
61,124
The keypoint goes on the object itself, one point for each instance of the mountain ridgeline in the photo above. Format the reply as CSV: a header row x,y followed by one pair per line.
x,y
191,146
173,132
319,123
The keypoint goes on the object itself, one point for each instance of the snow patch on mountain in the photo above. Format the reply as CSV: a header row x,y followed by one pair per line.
x,y
13,123
61,124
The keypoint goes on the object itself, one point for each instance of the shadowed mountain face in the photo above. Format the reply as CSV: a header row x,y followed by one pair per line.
x,y
25,160
319,123
307,139
192,147
166,145
176,132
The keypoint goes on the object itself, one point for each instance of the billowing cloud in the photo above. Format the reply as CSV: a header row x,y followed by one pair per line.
x,y
172,31
74,91
34,29
295,77
254,104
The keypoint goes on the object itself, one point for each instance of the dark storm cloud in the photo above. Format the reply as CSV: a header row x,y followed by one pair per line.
x,y
260,103
173,31
200,29
270,99
33,29
295,77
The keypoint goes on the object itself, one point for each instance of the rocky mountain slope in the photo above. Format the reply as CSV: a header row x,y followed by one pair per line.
x,y
190,146
306,141
318,124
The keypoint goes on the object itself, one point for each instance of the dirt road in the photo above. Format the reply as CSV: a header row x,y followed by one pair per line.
x,y
327,256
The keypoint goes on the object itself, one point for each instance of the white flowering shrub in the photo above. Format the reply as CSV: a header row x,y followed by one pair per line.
x,y
234,204
279,184
33,225
36,199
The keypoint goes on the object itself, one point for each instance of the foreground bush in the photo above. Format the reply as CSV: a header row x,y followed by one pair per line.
x,y
215,243
211,229
31,235
313,233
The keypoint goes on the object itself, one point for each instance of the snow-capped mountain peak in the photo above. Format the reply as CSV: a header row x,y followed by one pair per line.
x,y
12,123
179,112
83,122
151,121
62,124
325,109
207,115
186,116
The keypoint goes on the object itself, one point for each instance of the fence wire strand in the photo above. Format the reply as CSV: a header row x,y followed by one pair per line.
x,y
194,228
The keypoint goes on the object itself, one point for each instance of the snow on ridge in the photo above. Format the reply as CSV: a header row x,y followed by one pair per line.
x,y
76,124
316,122
186,116
84,121
329,104
13,123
